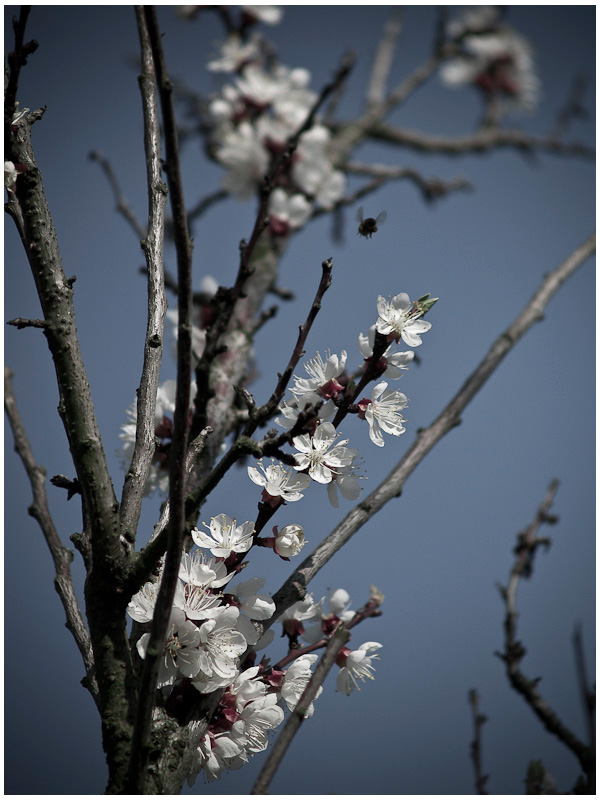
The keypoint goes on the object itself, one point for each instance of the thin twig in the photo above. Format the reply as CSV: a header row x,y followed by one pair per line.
x,y
21,322
572,108
478,722
153,246
588,695
528,543
179,444
337,641
61,556
123,206
16,59
294,587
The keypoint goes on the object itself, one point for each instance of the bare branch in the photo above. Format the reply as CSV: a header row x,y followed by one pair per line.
x,y
179,444
61,556
482,141
21,322
123,206
153,245
572,108
337,641
478,722
527,545
16,59
294,588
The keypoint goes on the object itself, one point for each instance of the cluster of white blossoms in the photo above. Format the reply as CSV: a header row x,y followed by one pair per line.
x,y
218,624
494,58
253,119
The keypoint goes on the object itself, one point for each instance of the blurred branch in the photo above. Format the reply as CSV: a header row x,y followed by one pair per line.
x,y
481,141
153,247
337,641
527,544
384,55
123,206
478,722
61,556
294,588
588,694
431,188
572,109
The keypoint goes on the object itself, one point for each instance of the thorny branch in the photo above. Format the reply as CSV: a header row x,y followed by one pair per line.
x,y
528,542
61,556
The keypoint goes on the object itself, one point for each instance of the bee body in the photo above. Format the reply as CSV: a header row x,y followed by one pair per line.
x,y
369,225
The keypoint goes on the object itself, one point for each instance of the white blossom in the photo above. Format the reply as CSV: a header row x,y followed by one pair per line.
x,y
278,481
398,319
197,602
346,480
296,679
142,604
322,374
257,718
291,410
289,541
181,656
199,569
220,644
10,175
216,753
253,606
382,413
320,455
396,362
225,536
323,622
357,666
248,686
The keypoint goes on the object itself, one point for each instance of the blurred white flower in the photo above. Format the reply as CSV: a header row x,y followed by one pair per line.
x,y
234,53
346,480
474,19
500,64
270,15
246,158
287,212
397,319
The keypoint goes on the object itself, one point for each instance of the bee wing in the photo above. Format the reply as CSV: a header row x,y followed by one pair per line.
x,y
359,214
381,218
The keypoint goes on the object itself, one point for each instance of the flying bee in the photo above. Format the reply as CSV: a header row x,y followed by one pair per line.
x,y
367,227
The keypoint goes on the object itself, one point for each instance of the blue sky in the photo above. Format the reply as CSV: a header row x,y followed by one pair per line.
x,y
437,552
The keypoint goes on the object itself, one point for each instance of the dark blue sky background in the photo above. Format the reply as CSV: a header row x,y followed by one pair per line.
x,y
437,552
